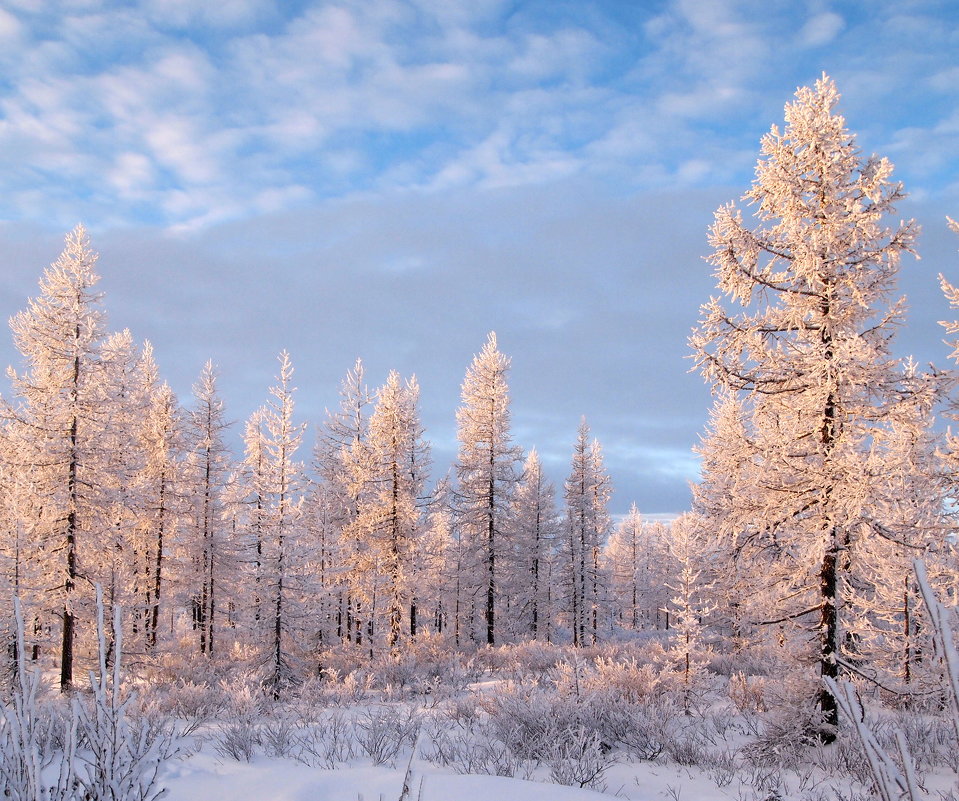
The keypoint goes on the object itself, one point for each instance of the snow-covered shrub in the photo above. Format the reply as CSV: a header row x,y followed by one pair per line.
x,y
501,661
758,660
329,689
279,735
382,731
342,660
687,747
641,730
533,660
748,693
327,742
28,737
428,664
119,757
526,720
243,694
462,712
239,740
720,766
931,740
784,740
579,758
193,704
473,751
627,680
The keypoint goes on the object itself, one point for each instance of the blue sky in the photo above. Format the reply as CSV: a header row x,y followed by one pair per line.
x,y
392,179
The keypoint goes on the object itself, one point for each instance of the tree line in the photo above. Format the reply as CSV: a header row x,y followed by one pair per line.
x,y
108,480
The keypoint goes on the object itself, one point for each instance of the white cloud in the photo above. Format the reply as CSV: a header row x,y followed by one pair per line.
x,y
10,27
132,175
821,29
346,97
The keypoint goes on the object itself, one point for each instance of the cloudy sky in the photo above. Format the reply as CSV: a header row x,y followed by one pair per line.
x,y
393,179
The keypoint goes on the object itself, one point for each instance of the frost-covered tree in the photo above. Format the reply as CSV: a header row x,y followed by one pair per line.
x,y
282,541
911,496
249,488
207,469
60,419
340,461
637,562
689,604
158,486
486,472
22,557
535,531
123,568
586,491
729,499
807,344
391,509
319,525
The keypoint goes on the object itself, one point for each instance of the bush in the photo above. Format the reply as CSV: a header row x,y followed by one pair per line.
x,y
381,732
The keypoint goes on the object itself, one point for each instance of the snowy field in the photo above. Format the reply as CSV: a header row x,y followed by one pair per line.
x,y
530,723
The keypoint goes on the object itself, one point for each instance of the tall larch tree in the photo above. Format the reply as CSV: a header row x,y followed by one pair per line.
x,y
248,495
729,496
535,532
586,491
689,603
158,482
120,553
391,513
283,544
340,461
486,471
808,347
626,569
59,336
207,470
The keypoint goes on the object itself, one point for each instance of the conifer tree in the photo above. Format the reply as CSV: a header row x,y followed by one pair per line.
x,y
207,472
59,336
158,484
486,472
809,349
626,568
587,491
283,544
689,604
340,461
390,513
534,538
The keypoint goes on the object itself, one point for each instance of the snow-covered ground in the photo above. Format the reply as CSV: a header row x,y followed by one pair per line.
x,y
206,778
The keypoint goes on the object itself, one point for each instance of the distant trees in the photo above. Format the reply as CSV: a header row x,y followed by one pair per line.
x,y
638,564
340,482
808,346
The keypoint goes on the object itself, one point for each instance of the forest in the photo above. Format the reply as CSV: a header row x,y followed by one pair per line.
x,y
341,603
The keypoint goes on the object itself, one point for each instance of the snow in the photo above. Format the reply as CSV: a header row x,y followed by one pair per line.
x,y
203,777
